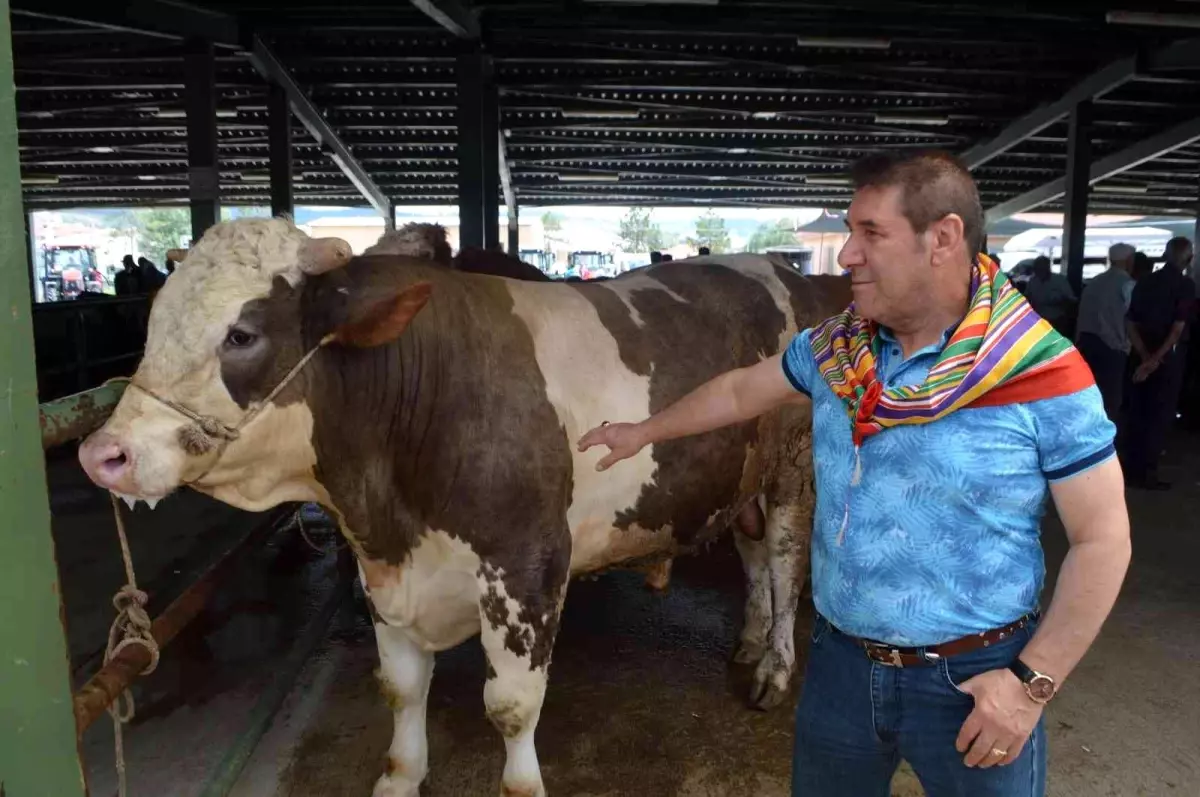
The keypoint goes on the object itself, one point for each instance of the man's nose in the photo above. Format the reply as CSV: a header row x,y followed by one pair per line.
x,y
850,254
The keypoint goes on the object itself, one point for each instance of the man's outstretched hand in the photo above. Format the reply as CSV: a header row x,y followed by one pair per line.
x,y
624,440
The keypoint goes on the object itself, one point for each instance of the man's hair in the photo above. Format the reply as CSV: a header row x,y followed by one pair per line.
x,y
1120,252
1176,247
933,184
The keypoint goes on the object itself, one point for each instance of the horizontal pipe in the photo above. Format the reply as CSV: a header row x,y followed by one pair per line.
x,y
73,417
94,697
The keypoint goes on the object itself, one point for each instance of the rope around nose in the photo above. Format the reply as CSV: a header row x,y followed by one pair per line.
x,y
131,627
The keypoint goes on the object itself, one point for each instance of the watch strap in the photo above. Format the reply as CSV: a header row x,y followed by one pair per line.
x,y
1019,669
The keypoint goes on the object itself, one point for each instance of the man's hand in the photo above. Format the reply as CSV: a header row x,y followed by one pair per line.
x,y
624,440
1003,718
1145,369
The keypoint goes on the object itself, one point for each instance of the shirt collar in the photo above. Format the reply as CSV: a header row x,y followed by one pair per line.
x,y
934,348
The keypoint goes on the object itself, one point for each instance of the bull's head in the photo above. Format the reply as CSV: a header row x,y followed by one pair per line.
x,y
214,391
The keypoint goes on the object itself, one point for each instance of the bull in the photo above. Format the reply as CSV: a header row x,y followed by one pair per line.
x,y
434,413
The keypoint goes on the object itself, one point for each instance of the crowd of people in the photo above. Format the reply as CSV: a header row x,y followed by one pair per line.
x,y
1132,325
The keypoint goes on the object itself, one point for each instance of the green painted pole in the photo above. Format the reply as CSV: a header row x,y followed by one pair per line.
x,y
38,752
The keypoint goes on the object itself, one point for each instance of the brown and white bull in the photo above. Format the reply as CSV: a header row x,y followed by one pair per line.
x,y
435,413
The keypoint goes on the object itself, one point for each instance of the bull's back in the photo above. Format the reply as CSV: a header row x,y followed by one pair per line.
x,y
624,349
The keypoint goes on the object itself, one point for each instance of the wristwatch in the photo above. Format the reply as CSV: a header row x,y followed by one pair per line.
x,y
1039,686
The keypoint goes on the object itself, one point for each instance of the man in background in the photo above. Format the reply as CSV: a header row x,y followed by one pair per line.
x,y
1102,337
1051,296
1158,332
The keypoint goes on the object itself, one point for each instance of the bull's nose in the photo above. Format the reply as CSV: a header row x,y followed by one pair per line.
x,y
107,462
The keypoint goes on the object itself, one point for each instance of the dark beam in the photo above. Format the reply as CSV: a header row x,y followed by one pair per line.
x,y
200,99
478,151
490,145
1115,74
169,19
1079,161
270,68
451,15
279,131
1128,158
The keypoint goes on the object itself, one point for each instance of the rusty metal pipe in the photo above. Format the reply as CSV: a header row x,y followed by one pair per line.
x,y
94,697
72,417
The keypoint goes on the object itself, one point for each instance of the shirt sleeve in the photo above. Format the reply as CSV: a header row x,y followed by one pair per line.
x,y
799,366
1073,433
1127,294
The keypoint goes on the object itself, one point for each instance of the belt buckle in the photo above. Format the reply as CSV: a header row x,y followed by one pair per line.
x,y
889,659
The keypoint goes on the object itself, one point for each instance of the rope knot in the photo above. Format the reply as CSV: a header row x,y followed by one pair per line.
x,y
215,429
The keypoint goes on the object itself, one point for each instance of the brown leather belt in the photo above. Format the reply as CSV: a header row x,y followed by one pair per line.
x,y
894,656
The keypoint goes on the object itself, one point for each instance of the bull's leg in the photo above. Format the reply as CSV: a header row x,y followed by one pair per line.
x,y
757,622
789,530
518,637
405,671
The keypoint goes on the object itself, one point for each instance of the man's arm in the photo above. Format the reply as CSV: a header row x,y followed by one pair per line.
x,y
733,397
1092,509
1091,506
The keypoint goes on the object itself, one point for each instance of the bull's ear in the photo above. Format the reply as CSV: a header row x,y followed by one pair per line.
x,y
384,321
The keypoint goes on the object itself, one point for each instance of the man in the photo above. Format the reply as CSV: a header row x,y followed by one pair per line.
x,y
128,281
1102,336
926,560
1051,295
1158,330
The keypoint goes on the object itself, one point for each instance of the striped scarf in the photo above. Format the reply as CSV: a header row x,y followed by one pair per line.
x,y
1001,353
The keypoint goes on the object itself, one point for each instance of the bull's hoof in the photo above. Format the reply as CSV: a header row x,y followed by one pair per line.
x,y
390,786
772,682
522,790
749,652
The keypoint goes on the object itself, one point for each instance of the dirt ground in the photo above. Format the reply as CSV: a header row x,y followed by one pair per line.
x,y
642,700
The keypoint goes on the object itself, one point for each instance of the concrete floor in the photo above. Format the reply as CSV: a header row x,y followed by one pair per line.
x,y
641,699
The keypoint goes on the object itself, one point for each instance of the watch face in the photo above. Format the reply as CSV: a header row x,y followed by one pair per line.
x,y
1041,688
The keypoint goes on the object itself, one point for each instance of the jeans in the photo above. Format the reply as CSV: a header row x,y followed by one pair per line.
x,y
858,718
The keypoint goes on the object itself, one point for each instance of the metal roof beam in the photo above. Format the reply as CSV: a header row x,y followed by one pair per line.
x,y
270,68
169,19
1129,158
1110,77
451,15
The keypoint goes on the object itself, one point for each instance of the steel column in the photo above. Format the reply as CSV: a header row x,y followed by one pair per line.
x,y
473,72
1079,162
514,231
279,135
200,100
38,752
489,144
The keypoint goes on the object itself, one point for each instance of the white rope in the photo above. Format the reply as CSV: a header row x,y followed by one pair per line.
x,y
130,627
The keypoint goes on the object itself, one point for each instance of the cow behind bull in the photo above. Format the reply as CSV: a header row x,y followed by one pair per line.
x,y
434,413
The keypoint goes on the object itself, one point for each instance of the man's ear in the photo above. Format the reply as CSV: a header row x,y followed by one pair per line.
x,y
386,320
947,239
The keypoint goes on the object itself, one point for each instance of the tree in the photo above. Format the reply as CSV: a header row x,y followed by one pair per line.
x,y
711,232
551,228
768,234
160,229
638,233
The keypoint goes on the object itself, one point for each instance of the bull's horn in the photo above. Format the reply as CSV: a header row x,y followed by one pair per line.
x,y
176,255
318,255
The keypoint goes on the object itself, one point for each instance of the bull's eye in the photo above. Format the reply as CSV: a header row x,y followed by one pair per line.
x,y
240,338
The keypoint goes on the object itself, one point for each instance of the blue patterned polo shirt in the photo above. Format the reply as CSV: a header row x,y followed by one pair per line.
x,y
941,535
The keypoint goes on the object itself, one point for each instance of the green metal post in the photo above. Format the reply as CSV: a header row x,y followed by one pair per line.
x,y
38,752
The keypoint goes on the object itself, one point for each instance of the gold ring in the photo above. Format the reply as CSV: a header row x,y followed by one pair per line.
x,y
996,751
